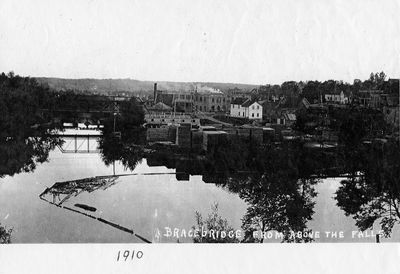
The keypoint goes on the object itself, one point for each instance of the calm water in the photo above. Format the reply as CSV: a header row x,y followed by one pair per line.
x,y
144,203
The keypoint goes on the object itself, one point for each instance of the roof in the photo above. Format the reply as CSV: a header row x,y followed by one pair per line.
x,y
290,116
248,103
219,132
208,128
162,106
269,104
305,102
249,126
268,129
238,101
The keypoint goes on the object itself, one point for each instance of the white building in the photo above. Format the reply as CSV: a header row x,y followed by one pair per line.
x,y
337,98
236,107
246,108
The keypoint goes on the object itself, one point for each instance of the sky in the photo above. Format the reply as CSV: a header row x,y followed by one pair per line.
x,y
255,42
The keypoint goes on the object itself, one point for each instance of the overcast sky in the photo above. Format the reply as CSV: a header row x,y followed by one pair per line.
x,y
207,40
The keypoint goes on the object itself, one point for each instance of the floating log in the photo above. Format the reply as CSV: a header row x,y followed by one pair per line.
x,y
86,207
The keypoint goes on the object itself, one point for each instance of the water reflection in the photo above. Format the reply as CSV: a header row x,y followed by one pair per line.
x,y
277,182
372,193
21,153
278,192
120,147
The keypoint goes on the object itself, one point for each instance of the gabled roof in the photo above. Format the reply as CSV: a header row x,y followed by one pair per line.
x,y
305,103
162,106
248,103
290,116
238,101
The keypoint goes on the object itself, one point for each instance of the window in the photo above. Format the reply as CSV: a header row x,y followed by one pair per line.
x,y
252,115
239,113
257,114
258,107
252,107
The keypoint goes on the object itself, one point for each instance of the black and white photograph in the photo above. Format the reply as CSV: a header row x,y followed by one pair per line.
x,y
199,122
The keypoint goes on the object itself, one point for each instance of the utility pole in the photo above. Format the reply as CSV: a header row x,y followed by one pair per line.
x,y
115,115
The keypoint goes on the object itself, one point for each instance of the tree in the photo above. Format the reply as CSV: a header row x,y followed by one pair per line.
x,y
311,91
377,79
218,230
5,235
24,142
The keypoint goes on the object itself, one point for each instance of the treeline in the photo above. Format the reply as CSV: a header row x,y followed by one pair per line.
x,y
25,100
21,101
24,104
313,90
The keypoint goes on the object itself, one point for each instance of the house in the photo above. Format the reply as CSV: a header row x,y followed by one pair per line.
x,y
372,98
159,119
211,101
253,109
236,107
340,98
160,106
286,118
177,100
246,108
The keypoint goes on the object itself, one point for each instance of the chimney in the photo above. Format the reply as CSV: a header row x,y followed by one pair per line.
x,y
155,93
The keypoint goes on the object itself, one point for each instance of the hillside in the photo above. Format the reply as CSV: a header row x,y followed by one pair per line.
x,y
133,86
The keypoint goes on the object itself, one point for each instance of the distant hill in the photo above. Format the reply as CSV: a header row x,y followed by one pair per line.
x,y
133,86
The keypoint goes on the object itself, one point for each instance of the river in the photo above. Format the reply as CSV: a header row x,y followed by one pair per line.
x,y
145,204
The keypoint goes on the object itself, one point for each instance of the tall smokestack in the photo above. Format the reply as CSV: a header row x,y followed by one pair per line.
x,y
155,93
